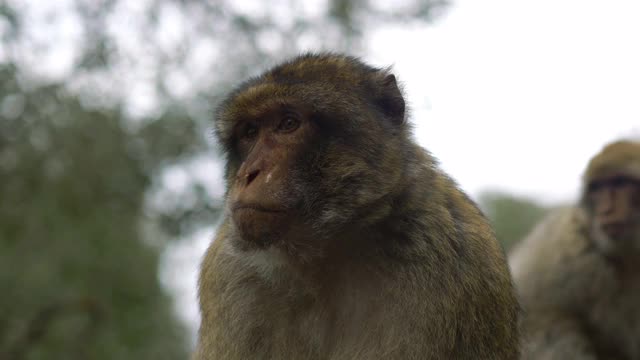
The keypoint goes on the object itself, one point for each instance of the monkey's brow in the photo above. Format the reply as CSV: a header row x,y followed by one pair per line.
x,y
278,108
288,109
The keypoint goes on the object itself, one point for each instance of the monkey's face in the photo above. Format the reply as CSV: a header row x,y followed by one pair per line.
x,y
613,203
296,177
264,192
314,148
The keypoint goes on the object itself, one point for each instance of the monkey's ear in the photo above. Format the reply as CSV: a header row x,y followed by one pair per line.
x,y
391,100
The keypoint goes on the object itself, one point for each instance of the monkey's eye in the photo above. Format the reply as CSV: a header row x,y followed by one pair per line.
x,y
620,181
250,131
288,124
594,187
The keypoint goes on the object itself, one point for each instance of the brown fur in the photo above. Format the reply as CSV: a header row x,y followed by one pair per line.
x,y
388,260
580,302
617,157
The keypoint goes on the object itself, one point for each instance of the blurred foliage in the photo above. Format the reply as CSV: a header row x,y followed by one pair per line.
x,y
189,50
511,216
100,101
76,281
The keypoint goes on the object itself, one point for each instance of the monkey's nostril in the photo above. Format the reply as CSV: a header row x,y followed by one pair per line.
x,y
252,175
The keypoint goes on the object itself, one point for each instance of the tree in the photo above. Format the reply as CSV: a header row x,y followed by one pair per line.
x,y
75,277
511,216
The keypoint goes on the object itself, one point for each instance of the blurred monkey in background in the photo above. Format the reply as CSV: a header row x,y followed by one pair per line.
x,y
578,272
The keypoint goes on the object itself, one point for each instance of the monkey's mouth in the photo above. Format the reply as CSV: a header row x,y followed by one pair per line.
x,y
614,230
259,224
256,207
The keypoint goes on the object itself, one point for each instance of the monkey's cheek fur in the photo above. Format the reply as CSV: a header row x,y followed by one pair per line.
x,y
259,227
623,241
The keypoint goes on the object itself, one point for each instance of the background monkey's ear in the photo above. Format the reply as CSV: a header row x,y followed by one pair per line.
x,y
390,99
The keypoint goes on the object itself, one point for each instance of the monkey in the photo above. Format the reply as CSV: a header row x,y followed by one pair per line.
x,y
342,238
578,272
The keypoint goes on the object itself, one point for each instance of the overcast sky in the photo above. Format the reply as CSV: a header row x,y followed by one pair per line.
x,y
508,94
516,94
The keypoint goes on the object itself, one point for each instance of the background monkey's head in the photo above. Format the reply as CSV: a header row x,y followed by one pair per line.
x,y
611,198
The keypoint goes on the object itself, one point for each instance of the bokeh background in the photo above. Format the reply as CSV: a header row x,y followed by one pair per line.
x,y
110,179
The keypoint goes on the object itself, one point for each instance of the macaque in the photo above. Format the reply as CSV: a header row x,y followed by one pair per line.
x,y
578,272
342,239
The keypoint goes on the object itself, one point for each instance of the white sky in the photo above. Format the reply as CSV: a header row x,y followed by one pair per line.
x,y
508,94
518,95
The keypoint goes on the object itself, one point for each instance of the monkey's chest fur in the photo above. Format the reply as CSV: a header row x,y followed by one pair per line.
x,y
369,314
614,321
283,318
